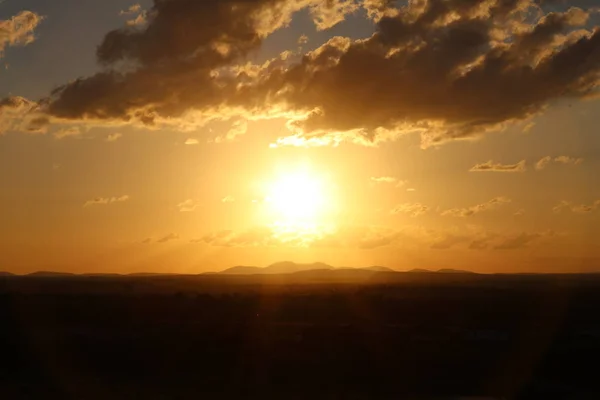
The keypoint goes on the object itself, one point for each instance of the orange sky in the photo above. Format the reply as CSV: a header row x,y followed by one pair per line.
x,y
191,136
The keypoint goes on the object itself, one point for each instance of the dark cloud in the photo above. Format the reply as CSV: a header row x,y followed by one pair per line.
x,y
490,166
448,69
169,66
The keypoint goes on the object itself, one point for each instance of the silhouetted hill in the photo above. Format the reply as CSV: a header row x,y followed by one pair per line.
x,y
285,267
454,271
420,271
242,270
49,274
378,268
6,274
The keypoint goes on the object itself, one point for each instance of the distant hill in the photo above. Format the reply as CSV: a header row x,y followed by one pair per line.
x,y
50,274
6,274
378,269
285,267
242,270
439,271
454,271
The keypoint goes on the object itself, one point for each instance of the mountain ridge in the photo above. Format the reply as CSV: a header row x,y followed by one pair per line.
x,y
278,268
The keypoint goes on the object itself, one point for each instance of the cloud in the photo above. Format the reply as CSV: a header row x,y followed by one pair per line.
x,y
134,9
388,180
412,209
479,244
98,201
383,179
188,205
476,209
545,161
67,132
15,115
238,128
486,240
186,43
228,199
568,160
19,30
192,142
303,39
113,137
576,208
518,242
168,238
449,242
366,238
447,70
140,18
357,237
490,166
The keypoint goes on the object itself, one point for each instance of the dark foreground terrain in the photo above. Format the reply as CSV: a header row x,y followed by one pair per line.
x,y
313,334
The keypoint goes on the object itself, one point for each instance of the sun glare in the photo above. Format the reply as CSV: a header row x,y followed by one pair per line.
x,y
297,197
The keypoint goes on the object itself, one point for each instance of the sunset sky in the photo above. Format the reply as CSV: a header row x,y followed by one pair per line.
x,y
189,136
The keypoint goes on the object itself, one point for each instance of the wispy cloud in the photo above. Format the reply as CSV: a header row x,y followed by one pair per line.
x,y
188,205
576,208
518,242
100,201
140,18
388,180
67,132
238,128
113,137
412,209
491,166
303,39
476,209
565,160
168,238
192,142
134,9
19,30
228,199
568,160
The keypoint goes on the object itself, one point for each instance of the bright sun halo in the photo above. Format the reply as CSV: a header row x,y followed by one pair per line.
x,y
297,197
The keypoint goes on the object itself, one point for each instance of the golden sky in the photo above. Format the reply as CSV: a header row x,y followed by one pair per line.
x,y
190,136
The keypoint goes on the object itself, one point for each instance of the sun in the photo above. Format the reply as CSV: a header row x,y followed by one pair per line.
x,y
297,197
